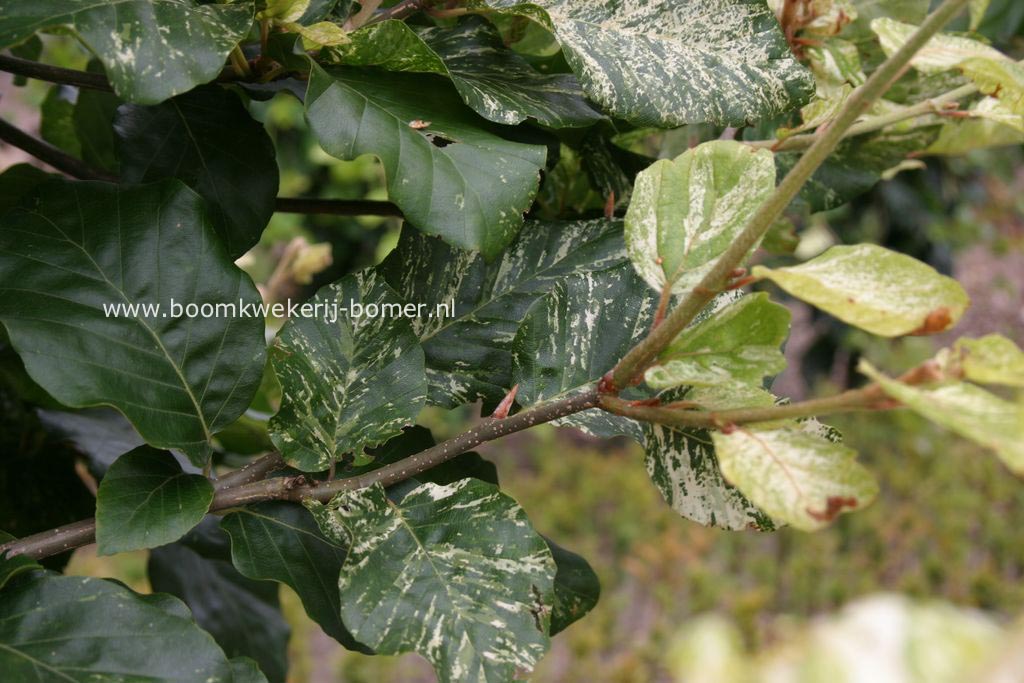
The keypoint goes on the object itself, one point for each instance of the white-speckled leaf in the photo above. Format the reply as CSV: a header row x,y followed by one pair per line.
x,y
670,63
687,211
495,81
468,350
577,333
967,410
349,382
941,53
993,359
738,344
454,572
795,475
452,177
683,465
878,290
150,49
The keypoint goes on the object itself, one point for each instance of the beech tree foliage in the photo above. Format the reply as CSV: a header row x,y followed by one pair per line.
x,y
592,287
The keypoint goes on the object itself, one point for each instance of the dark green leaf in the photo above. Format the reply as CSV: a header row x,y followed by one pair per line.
x,y
468,349
145,500
670,63
74,247
455,573
207,140
281,542
242,614
151,49
31,49
453,177
70,628
102,435
245,670
18,181
57,125
577,588
349,381
577,333
94,124
496,82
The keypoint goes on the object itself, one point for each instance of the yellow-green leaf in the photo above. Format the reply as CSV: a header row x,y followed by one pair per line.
x,y
965,409
993,359
795,475
687,211
878,290
941,53
1001,78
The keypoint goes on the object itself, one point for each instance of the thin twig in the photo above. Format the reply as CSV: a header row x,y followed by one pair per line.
x,y
630,368
76,168
81,79
255,471
297,488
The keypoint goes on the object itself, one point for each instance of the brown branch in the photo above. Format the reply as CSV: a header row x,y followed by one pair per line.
x,y
76,168
75,77
44,151
255,471
298,488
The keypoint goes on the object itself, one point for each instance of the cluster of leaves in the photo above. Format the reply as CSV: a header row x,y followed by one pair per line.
x,y
478,115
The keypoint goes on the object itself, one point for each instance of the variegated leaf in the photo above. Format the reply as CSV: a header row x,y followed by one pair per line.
x,y
1001,78
671,63
993,359
941,53
455,572
468,349
348,380
683,465
795,475
150,49
992,124
687,211
738,344
577,333
965,409
878,290
496,82
449,174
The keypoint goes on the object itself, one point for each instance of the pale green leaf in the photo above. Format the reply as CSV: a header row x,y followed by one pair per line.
x,y
72,248
687,211
977,10
454,572
575,334
468,346
349,381
145,500
941,53
684,467
1001,78
964,409
795,475
992,359
738,344
449,174
496,82
878,290
671,63
150,49
75,629
992,125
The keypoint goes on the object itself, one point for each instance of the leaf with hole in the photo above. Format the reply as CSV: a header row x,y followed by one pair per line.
x,y
456,178
350,382
878,290
454,572
73,248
